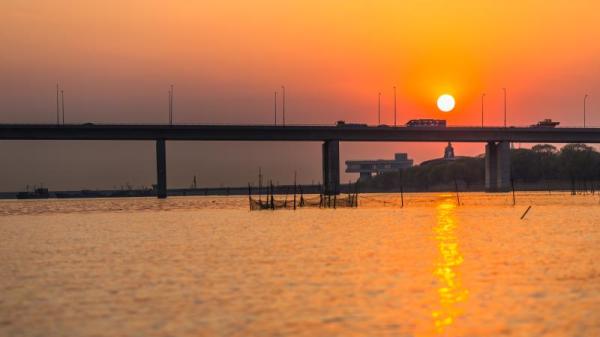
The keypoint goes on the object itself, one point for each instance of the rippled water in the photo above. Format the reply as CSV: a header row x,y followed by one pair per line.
x,y
201,266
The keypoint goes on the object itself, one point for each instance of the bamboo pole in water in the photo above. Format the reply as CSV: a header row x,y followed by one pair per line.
x,y
294,190
512,184
356,194
272,197
250,196
350,202
456,188
259,185
526,211
320,196
401,196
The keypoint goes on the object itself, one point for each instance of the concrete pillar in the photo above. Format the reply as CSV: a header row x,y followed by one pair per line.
x,y
161,169
497,167
491,164
331,167
503,170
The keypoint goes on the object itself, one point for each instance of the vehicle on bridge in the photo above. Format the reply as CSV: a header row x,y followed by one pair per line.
x,y
343,124
427,123
546,123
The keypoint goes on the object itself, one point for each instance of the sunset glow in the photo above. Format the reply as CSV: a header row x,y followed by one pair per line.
x,y
329,54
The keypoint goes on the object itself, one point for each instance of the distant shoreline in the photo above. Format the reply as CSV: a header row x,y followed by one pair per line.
x,y
285,190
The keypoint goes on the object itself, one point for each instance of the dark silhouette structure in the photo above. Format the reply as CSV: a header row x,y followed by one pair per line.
x,y
366,168
498,140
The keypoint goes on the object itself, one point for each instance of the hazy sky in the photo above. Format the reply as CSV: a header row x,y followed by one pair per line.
x,y
116,59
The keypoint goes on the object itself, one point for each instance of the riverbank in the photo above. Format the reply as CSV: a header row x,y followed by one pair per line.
x,y
551,185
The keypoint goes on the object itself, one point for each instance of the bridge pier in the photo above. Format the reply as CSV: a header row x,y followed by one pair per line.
x,y
497,166
331,167
161,169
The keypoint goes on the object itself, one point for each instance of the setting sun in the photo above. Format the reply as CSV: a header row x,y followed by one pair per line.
x,y
445,103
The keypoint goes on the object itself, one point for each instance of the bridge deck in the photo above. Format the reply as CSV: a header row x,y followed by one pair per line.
x,y
296,133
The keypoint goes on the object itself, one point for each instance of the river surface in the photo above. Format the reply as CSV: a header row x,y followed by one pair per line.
x,y
207,266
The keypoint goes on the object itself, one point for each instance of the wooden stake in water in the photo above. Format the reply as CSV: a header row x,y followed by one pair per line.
x,y
320,196
457,196
259,185
524,214
272,195
350,201
356,195
401,196
250,196
294,190
512,184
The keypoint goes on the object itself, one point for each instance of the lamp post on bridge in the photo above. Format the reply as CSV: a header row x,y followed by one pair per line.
x,y
584,99
504,106
482,96
283,106
395,106
57,106
379,109
62,101
171,105
275,104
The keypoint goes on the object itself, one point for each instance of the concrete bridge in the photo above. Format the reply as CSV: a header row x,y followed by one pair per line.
x,y
497,150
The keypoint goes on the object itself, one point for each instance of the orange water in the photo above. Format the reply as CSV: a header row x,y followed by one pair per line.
x,y
202,266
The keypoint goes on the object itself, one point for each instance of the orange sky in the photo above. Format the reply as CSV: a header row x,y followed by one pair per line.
x,y
115,60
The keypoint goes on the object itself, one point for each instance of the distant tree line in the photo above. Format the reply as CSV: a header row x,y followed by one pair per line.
x,y
543,162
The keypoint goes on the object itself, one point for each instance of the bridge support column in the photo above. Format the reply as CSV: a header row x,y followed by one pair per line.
x,y
161,169
331,167
497,166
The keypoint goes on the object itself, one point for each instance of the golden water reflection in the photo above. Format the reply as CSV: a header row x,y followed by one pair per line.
x,y
450,291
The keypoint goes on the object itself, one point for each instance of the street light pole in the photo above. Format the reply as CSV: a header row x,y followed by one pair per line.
x,y
275,103
62,98
482,96
57,107
283,106
171,105
379,109
395,106
504,106
584,99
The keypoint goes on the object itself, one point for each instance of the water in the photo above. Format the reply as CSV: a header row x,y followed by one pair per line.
x,y
202,266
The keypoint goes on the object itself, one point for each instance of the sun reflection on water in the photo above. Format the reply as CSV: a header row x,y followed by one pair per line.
x,y
450,290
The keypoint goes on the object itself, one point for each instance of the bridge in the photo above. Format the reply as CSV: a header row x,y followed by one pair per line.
x,y
497,139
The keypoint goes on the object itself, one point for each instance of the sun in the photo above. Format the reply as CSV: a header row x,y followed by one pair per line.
x,y
445,103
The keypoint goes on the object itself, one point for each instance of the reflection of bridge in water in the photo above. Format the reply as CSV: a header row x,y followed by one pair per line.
x,y
497,161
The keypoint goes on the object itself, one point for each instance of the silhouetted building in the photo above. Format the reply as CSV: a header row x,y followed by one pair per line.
x,y
449,152
448,155
367,167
